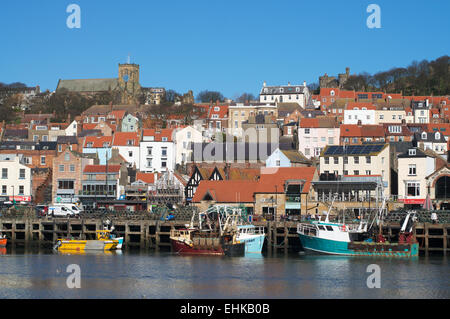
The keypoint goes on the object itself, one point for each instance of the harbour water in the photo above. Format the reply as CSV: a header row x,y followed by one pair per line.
x,y
36,274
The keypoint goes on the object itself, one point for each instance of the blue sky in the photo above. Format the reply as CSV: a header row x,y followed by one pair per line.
x,y
230,46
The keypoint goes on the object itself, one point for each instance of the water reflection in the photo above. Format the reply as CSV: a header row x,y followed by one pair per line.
x,y
141,274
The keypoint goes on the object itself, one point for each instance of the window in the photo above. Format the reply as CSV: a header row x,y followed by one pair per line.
x,y
164,151
307,151
130,153
278,163
356,160
61,168
149,150
164,139
22,173
67,157
356,172
368,172
72,167
21,189
4,173
149,162
327,160
130,142
331,140
163,163
412,152
413,189
42,160
62,184
345,172
412,170
307,130
189,135
381,116
59,148
336,160
345,160
368,160
329,228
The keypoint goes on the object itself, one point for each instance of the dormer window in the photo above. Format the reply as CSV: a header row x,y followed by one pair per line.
x,y
164,139
216,109
437,136
332,93
106,144
424,135
412,152
130,142
89,144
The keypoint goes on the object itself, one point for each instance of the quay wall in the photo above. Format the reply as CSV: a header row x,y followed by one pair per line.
x,y
154,234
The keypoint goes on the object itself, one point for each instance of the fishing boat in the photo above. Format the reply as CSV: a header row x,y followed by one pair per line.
x,y
253,237
102,242
3,240
357,240
213,236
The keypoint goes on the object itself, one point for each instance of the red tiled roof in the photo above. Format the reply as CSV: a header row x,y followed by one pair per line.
x,y
354,130
117,114
273,178
101,169
226,191
148,178
159,134
222,112
122,138
309,123
97,141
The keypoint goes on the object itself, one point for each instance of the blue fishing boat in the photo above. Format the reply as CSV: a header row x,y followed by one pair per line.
x,y
355,240
253,236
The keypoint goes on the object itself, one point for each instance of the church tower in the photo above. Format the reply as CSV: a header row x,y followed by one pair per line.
x,y
129,82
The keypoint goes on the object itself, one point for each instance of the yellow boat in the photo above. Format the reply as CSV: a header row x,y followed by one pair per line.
x,y
103,242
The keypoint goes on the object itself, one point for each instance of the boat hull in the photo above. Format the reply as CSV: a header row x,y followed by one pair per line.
x,y
333,247
3,242
253,243
232,250
82,245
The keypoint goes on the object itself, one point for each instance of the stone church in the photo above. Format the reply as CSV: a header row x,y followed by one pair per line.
x,y
126,86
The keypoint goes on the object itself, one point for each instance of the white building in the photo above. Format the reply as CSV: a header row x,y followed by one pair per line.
x,y
157,150
15,178
358,160
72,129
128,145
285,94
413,168
359,112
184,138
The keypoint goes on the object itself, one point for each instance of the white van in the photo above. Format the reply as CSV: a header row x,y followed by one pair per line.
x,y
64,210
